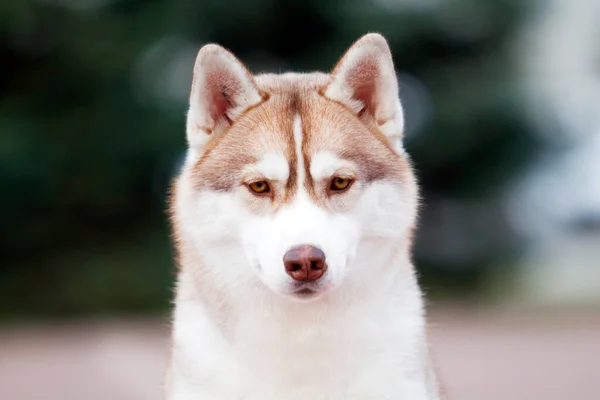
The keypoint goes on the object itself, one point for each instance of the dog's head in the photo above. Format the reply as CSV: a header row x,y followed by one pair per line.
x,y
288,174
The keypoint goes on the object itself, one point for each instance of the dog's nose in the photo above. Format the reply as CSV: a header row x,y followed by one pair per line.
x,y
305,263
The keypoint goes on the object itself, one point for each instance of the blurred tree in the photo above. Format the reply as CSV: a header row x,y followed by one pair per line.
x,y
92,105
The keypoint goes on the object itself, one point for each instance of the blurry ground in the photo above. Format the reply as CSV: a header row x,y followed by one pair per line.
x,y
481,355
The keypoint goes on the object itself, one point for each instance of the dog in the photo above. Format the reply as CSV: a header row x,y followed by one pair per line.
x,y
292,218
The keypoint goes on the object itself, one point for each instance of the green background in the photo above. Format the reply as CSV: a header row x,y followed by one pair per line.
x,y
92,107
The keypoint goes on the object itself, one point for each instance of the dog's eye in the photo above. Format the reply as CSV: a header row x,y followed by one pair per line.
x,y
338,183
260,187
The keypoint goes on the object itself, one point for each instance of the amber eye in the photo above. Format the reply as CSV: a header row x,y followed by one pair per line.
x,y
340,184
260,187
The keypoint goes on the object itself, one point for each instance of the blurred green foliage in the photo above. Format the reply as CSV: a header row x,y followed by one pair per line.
x,y
86,155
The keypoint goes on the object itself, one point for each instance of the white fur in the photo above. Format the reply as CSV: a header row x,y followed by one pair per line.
x,y
297,130
364,340
273,166
267,239
394,129
342,346
325,164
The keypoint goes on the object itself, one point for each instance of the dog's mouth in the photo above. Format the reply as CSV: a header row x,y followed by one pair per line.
x,y
307,291
305,295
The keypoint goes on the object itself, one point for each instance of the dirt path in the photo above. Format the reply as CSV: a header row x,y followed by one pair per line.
x,y
480,356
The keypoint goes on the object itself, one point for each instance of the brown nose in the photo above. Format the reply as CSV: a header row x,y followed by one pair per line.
x,y
305,263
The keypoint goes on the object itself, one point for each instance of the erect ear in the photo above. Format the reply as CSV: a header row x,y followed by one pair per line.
x,y
365,81
222,89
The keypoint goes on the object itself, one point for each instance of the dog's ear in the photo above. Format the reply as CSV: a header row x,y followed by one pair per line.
x,y
222,89
365,81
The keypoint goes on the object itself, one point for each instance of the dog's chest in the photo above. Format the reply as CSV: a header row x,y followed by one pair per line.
x,y
313,365
339,358
306,356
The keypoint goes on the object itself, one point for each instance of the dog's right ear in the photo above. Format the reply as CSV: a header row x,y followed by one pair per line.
x,y
222,89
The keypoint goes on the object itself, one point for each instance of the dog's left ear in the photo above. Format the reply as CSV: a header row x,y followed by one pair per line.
x,y
365,81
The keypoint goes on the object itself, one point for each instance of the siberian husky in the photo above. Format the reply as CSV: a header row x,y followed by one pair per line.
x,y
292,217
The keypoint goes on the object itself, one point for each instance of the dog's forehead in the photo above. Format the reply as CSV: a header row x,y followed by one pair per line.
x,y
297,125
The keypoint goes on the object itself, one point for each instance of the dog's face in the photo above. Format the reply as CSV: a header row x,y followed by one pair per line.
x,y
295,171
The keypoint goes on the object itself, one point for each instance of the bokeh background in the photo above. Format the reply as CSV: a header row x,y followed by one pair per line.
x,y
502,102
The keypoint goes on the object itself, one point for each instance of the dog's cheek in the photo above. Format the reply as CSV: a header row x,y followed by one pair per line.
x,y
215,216
345,238
386,209
257,241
